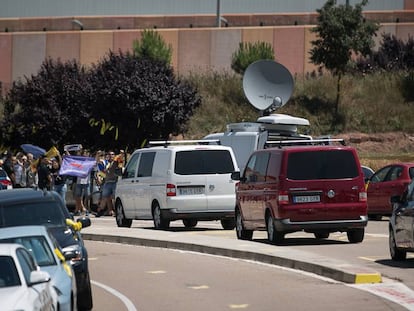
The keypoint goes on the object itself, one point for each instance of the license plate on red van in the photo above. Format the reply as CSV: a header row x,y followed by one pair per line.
x,y
306,199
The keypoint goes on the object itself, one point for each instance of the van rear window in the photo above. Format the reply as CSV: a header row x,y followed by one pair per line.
x,y
201,162
324,164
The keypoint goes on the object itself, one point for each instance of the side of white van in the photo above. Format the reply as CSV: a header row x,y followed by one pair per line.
x,y
188,182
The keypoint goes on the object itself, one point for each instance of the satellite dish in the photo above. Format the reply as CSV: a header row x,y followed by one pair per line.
x,y
267,85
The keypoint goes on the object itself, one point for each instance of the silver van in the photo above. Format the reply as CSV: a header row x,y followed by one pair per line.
x,y
172,182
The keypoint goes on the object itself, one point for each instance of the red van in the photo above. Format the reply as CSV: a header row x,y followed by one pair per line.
x,y
317,189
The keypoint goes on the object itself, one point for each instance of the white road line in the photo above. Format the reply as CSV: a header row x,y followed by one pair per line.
x,y
128,304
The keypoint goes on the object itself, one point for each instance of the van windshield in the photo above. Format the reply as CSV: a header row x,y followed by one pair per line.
x,y
323,164
201,162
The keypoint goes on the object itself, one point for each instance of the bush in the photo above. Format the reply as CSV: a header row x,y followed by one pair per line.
x,y
248,53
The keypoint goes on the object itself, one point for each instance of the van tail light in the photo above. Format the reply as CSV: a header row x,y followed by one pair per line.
x,y
363,196
171,190
283,198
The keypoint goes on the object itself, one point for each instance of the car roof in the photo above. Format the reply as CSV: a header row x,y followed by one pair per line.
x,y
311,148
9,249
22,231
188,147
26,194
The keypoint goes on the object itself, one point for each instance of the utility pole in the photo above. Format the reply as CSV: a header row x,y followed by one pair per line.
x,y
219,14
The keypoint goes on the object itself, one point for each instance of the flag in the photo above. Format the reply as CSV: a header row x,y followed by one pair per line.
x,y
76,166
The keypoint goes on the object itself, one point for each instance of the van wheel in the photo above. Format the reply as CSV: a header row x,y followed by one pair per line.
x,y
321,235
242,234
356,235
190,223
121,221
273,235
159,221
228,223
395,253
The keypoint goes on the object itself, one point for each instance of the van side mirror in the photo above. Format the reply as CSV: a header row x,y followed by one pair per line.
x,y
235,175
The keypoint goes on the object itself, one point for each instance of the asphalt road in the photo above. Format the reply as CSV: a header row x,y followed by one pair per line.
x,y
127,277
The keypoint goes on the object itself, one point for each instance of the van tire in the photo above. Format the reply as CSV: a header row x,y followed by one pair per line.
x,y
356,235
228,223
273,235
121,221
190,223
241,232
159,221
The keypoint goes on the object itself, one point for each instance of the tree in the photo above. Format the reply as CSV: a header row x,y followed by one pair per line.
x,y
152,46
136,99
248,53
342,31
48,108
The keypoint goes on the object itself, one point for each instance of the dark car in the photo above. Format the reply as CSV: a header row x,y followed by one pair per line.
x,y
387,182
20,207
401,225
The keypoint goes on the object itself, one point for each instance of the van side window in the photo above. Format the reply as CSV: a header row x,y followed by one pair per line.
x,y
310,165
196,162
273,168
131,167
261,165
145,164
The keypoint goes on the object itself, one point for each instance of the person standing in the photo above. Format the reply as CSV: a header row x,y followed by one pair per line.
x,y
43,173
108,188
31,172
20,171
59,181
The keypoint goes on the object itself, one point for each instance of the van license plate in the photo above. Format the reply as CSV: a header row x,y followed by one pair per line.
x,y
306,199
191,190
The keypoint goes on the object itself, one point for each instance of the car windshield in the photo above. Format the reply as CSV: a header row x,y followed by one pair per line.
x,y
8,272
31,213
37,246
200,162
332,164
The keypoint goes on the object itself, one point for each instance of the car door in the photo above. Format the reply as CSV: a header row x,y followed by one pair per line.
x,y
143,185
126,186
379,189
404,220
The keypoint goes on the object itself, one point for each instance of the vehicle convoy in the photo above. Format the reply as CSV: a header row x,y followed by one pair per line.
x,y
22,285
316,189
43,247
172,182
25,206
401,224
387,182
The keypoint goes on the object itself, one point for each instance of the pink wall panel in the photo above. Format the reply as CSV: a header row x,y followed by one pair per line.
x,y
6,61
404,31
385,28
64,45
95,45
29,51
256,34
224,43
408,4
289,46
194,50
170,37
123,40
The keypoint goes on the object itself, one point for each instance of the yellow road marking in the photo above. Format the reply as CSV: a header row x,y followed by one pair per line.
x,y
199,287
157,272
243,306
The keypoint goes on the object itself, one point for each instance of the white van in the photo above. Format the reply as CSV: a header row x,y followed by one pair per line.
x,y
171,182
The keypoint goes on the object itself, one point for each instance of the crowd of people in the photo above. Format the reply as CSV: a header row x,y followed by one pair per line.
x,y
43,172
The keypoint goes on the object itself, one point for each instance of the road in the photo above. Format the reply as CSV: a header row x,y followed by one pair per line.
x,y
373,252
127,277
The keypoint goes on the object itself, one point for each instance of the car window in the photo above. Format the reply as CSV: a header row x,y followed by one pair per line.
x,y
146,163
37,246
324,164
410,191
261,165
26,262
411,172
249,173
8,272
131,167
32,213
394,174
380,175
202,162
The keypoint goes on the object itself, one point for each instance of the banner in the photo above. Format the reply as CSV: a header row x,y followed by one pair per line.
x,y
77,166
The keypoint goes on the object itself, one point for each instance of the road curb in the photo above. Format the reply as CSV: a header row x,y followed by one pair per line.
x,y
322,266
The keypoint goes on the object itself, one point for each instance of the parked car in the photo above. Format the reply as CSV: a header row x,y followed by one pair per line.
x,y
187,182
5,182
388,181
316,189
22,285
44,248
21,207
401,224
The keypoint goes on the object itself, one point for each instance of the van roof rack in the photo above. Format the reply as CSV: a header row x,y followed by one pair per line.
x,y
166,143
324,141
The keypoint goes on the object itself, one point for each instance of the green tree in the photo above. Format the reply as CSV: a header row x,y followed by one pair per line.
x,y
46,109
248,53
152,45
342,31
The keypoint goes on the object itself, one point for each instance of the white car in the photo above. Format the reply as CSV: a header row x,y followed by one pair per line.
x,y
22,285
45,250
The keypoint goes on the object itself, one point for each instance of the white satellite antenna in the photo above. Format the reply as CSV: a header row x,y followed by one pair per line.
x,y
267,85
